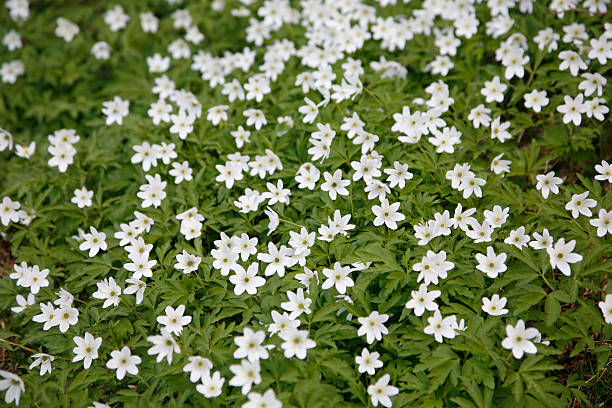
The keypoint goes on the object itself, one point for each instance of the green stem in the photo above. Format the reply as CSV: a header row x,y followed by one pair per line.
x,y
374,96
291,222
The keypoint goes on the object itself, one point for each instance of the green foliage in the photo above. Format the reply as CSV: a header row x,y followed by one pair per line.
x,y
64,87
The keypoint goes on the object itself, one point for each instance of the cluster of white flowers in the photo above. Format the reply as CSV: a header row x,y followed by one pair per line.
x,y
10,211
333,31
62,149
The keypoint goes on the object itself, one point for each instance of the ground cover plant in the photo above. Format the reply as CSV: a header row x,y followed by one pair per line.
x,y
305,203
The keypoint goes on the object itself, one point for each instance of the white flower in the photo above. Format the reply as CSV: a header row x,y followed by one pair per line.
x,y
255,117
282,323
433,266
47,316
514,61
247,246
572,109
94,241
153,192
595,108
471,185
23,303
494,90
267,400
444,222
422,299
561,255
381,391
66,316
160,112
62,155
592,83
543,241
82,197
274,220
115,110
86,349
277,259
250,345
606,308
34,278
216,114
123,361
463,219
603,222
246,280
64,298
6,140
136,287
571,60
518,238
601,48
8,211
499,130
372,326
174,319
480,232
548,183
368,362
25,151
157,63
580,204
109,291
181,171
310,111
186,262
66,29
164,345
276,193
398,175
338,277
10,71
44,360
480,116
441,327
297,304
211,387
198,367
13,386
518,339
138,249
142,222
12,40
182,124
547,38
101,50
296,343
97,404
245,375
241,136
234,91
307,277
499,166
491,264
116,18
495,305
256,88
387,213
145,154
536,100
334,184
